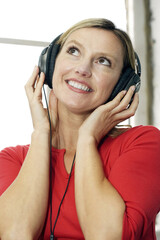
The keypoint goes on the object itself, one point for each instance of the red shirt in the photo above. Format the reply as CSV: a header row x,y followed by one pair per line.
x,y
131,163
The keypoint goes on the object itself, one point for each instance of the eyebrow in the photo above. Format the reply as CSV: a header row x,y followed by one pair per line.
x,y
100,53
74,42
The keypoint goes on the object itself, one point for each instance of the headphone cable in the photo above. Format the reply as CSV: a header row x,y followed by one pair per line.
x,y
50,188
52,232
50,191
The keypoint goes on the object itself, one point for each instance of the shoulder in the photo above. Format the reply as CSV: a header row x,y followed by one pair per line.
x,y
141,136
150,133
17,153
143,130
11,160
132,138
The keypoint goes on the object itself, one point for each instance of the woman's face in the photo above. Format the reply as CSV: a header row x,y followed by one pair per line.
x,y
87,69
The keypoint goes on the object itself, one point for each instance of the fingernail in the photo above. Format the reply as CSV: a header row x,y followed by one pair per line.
x,y
124,91
133,88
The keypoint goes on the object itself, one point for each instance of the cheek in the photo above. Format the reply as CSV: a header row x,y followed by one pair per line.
x,y
61,69
107,85
108,82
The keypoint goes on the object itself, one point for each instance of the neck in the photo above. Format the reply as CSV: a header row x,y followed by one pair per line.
x,y
67,130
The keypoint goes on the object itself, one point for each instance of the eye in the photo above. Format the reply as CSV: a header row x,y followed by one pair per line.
x,y
73,51
104,61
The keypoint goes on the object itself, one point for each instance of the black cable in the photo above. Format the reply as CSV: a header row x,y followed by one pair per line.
x,y
50,192
52,233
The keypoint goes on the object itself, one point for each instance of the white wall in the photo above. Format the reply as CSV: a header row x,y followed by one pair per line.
x,y
136,30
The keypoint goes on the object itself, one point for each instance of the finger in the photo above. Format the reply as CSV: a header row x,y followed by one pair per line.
x,y
124,103
130,112
116,101
39,84
37,80
134,105
29,86
33,77
127,100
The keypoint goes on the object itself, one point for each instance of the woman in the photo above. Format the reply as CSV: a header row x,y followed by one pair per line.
x,y
113,191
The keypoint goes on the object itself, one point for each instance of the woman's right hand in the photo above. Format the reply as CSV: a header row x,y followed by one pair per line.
x,y
33,90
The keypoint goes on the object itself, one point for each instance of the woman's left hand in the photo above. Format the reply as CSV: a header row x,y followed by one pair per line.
x,y
107,116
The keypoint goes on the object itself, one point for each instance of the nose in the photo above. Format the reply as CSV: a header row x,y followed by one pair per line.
x,y
83,69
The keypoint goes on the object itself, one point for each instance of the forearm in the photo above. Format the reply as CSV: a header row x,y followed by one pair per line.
x,y
23,205
99,206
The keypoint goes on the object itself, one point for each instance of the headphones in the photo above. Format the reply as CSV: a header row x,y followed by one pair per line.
x,y
128,78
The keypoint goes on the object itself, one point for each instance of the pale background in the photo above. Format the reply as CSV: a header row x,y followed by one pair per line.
x,y
42,21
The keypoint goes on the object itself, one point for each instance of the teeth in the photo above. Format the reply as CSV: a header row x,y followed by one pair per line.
x,y
79,86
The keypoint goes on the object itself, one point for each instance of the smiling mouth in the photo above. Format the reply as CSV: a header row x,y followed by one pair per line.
x,y
79,86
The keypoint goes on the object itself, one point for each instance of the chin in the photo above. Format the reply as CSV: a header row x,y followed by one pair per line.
x,y
78,105
80,108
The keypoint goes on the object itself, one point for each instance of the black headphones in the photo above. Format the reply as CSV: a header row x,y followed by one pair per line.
x,y
128,78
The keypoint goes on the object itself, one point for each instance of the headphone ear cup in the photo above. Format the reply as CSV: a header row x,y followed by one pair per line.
x,y
51,63
47,60
126,80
